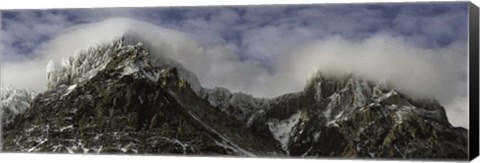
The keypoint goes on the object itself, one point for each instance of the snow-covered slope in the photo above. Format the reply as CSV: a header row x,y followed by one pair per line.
x,y
282,129
14,102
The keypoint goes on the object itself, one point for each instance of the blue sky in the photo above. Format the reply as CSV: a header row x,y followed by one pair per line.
x,y
428,24
266,50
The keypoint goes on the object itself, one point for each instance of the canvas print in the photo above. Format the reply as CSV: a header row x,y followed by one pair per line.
x,y
362,81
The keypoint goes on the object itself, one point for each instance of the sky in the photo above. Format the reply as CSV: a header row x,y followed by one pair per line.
x,y
263,50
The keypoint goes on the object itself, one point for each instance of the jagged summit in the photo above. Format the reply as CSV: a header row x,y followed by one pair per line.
x,y
86,64
328,83
351,92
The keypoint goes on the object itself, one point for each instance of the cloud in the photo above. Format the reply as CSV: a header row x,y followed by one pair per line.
x,y
440,28
23,31
418,71
457,111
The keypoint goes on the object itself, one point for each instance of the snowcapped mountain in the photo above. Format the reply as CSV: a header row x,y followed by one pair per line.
x,y
88,63
14,102
120,98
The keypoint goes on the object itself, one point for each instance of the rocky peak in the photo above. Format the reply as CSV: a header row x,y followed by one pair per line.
x,y
327,85
84,65
87,63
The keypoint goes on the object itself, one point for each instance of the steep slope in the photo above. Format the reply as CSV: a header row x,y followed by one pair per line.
x,y
117,97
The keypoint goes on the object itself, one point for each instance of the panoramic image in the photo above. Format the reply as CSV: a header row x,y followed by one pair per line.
x,y
361,81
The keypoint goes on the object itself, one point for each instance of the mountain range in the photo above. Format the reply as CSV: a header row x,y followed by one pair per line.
x,y
117,97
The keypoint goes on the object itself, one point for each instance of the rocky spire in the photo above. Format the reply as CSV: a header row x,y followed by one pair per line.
x,y
87,63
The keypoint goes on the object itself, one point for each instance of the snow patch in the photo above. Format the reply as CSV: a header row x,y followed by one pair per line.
x,y
318,93
317,135
130,68
281,129
226,146
66,128
359,97
14,101
224,138
35,148
70,89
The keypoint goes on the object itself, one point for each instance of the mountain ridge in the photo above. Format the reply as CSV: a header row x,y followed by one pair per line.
x,y
328,118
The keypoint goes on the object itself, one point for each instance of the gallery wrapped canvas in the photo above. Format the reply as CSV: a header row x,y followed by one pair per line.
x,y
323,81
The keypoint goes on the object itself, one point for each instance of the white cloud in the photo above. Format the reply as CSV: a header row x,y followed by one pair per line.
x,y
457,112
270,42
418,71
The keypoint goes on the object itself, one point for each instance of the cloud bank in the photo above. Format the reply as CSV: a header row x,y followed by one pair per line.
x,y
266,52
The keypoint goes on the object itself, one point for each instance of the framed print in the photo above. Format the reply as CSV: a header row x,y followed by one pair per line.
x,y
320,81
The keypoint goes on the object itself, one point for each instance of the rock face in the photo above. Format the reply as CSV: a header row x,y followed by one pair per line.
x,y
117,98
